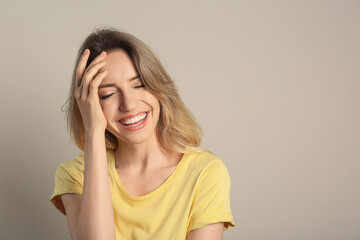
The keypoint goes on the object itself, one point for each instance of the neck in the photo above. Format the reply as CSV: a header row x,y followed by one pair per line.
x,y
142,157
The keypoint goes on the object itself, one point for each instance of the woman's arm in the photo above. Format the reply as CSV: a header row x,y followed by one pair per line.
x,y
96,216
209,232
90,214
92,217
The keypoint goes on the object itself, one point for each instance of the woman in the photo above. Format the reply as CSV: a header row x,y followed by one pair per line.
x,y
142,174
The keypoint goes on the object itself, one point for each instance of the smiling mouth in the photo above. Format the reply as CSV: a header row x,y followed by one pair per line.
x,y
135,121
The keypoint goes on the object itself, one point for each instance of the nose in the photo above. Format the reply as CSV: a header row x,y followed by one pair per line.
x,y
127,102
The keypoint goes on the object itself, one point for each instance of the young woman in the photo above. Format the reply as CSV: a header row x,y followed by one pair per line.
x,y
142,174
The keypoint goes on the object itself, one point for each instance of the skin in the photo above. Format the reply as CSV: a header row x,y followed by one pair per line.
x,y
86,92
138,151
90,214
141,164
209,232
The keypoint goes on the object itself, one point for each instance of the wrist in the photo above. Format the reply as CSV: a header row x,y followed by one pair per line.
x,y
94,133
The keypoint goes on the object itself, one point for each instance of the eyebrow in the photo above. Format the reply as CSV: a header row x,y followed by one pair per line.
x,y
113,85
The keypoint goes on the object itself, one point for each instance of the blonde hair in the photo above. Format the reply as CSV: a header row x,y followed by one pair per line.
x,y
176,128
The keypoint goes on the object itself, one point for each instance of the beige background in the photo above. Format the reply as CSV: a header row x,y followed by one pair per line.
x,y
275,85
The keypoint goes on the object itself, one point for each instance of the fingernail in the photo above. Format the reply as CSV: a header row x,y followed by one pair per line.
x,y
85,52
103,53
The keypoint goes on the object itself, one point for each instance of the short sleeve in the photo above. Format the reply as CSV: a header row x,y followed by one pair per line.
x,y
211,202
69,178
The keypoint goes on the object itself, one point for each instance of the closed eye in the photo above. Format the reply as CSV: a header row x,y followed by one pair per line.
x,y
140,86
105,97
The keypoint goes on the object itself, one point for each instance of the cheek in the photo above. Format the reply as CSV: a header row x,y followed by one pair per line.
x,y
107,109
154,102
157,110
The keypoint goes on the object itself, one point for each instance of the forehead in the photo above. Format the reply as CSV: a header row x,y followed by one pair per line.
x,y
118,65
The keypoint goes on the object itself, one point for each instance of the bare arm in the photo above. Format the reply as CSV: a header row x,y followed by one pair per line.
x,y
96,217
90,215
210,232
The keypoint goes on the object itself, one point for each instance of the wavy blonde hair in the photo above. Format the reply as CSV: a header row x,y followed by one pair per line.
x,y
176,128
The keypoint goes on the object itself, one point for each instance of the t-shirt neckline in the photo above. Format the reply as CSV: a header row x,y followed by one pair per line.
x,y
161,188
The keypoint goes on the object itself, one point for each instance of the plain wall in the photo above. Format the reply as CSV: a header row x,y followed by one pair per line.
x,y
274,84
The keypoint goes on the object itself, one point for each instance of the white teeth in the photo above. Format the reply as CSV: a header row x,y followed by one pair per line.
x,y
135,119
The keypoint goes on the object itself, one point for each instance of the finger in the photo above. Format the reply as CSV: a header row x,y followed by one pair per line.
x,y
81,67
98,58
94,85
88,77
82,64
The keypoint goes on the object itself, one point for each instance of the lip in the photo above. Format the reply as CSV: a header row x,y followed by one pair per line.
x,y
137,127
131,116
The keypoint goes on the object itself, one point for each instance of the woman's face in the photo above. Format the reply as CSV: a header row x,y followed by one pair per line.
x,y
131,111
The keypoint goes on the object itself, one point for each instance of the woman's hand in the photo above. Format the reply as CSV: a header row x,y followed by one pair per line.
x,y
86,92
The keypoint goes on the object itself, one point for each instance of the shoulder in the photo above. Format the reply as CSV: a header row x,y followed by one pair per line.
x,y
74,168
205,163
199,156
69,178
211,192
71,169
77,161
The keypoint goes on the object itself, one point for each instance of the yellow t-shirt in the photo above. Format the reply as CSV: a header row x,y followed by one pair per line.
x,y
196,194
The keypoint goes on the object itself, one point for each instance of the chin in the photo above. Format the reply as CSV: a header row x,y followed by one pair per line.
x,y
133,137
